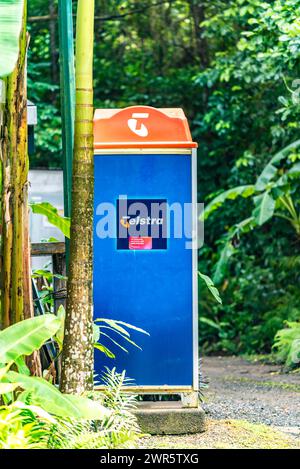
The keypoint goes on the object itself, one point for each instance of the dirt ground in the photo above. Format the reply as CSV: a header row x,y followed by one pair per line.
x,y
248,405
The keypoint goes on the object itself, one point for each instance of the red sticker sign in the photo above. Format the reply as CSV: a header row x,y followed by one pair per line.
x,y
140,242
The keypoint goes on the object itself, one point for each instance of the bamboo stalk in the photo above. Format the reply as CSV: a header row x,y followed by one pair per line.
x,y
78,354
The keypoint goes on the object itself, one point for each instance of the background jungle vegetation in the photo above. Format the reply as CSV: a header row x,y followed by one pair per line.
x,y
233,66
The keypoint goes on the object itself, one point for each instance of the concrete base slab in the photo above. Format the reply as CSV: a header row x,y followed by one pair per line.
x,y
169,418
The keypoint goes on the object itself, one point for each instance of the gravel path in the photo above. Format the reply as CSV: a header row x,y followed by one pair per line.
x,y
248,405
258,393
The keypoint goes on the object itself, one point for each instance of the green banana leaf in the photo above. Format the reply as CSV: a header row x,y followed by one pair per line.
x,y
230,194
7,387
35,410
46,209
21,366
264,207
47,396
228,250
270,169
295,170
26,336
11,12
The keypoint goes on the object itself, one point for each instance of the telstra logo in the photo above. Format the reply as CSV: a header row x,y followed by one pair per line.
x,y
126,221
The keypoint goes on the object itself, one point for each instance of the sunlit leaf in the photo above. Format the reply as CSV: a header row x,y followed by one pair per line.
x,y
7,387
22,367
53,401
61,316
104,350
11,12
26,336
119,324
51,213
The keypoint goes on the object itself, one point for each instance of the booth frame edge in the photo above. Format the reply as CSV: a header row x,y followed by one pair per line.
x,y
189,394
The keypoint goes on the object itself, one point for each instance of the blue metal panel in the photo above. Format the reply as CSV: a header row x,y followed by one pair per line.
x,y
149,289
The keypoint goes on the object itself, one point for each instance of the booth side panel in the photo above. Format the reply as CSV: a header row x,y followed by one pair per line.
x,y
195,270
151,289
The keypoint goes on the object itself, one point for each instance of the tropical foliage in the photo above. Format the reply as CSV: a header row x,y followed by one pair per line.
x,y
37,415
272,195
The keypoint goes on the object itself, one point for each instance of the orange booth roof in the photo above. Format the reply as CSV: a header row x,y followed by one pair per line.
x,y
143,127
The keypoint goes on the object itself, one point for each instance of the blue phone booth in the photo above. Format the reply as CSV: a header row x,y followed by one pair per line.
x,y
145,245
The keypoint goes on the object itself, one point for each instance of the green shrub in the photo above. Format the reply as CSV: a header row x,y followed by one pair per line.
x,y
257,300
287,345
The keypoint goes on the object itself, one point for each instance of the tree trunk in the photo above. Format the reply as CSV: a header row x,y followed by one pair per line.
x,y
14,191
197,9
78,353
